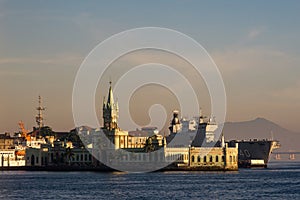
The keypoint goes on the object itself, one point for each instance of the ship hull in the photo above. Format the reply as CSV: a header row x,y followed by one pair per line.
x,y
255,153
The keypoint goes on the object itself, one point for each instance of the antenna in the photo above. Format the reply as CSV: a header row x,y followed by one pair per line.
x,y
39,118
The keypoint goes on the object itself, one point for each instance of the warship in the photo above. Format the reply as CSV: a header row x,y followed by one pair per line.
x,y
251,153
255,153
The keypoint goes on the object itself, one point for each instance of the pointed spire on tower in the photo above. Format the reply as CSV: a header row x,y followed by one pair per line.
x,y
110,111
110,99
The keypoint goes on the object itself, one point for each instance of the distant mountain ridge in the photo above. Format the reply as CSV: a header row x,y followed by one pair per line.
x,y
261,128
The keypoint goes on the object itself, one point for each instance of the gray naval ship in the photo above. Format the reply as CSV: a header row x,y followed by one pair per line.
x,y
252,153
255,153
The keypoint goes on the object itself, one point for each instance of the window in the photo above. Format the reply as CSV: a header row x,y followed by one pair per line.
x,y
181,157
230,158
198,159
217,158
193,158
210,159
204,159
37,159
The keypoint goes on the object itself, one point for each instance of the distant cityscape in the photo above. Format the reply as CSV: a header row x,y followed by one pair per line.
x,y
195,148
44,147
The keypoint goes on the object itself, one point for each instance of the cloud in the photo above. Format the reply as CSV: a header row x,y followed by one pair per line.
x,y
253,58
63,59
29,66
255,32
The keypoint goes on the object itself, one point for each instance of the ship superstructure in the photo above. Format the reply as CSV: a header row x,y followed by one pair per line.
x,y
200,128
196,146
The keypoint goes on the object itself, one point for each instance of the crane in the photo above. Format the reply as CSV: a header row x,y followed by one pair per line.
x,y
23,131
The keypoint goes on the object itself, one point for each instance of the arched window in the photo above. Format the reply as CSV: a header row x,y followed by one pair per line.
x,y
193,158
198,159
204,159
210,159
230,159
217,158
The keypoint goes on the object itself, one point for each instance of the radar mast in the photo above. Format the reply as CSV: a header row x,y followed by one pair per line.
x,y
39,118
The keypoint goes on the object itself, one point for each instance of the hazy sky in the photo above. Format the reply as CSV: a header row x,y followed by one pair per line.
x,y
255,44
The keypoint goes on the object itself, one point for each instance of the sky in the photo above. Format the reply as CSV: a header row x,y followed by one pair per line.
x,y
255,45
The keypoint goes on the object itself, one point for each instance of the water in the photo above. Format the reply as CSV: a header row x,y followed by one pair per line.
x,y
279,181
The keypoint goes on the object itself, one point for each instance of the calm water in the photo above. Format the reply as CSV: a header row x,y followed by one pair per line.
x,y
279,181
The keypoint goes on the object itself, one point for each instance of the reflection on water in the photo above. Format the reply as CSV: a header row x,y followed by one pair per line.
x,y
280,181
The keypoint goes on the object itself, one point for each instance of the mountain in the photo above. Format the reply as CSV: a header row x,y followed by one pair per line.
x,y
261,128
